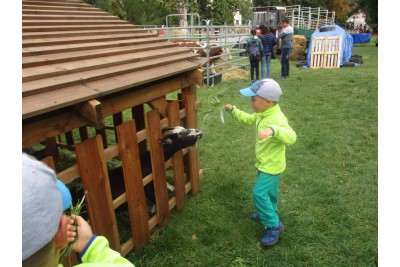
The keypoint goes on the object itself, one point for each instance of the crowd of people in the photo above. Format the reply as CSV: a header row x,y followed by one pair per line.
x,y
260,47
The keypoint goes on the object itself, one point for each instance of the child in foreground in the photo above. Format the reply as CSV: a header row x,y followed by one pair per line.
x,y
46,230
273,133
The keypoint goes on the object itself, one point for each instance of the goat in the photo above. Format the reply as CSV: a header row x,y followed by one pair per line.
x,y
174,139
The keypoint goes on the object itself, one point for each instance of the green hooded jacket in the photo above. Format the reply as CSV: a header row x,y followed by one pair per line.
x,y
99,254
270,152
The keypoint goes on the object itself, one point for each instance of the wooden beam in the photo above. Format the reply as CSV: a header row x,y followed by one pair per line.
x,y
92,112
196,77
161,104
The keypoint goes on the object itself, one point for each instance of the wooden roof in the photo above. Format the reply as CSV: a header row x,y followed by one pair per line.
x,y
73,52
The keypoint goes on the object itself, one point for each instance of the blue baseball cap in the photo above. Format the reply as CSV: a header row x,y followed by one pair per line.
x,y
44,198
265,88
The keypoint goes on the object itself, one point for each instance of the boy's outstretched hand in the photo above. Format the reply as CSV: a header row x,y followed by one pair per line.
x,y
265,133
84,233
228,107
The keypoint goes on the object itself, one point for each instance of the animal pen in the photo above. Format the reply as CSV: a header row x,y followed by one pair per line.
x,y
230,38
81,69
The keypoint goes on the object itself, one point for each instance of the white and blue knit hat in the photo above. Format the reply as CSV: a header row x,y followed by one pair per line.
x,y
44,198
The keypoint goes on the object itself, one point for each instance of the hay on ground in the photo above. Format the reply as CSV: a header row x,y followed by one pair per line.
x,y
299,47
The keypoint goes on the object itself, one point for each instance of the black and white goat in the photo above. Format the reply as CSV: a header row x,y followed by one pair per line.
x,y
174,139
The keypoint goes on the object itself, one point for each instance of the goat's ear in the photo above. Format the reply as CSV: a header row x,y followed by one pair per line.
x,y
165,141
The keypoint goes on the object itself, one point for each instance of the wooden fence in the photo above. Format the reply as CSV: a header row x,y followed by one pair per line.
x,y
326,52
92,155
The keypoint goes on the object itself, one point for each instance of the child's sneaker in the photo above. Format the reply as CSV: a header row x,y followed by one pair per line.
x,y
272,235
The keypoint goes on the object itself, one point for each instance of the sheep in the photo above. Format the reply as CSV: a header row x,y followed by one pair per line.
x,y
174,139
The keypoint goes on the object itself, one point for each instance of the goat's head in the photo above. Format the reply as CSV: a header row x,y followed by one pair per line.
x,y
179,137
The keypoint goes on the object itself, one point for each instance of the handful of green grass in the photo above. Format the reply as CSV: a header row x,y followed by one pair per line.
x,y
76,211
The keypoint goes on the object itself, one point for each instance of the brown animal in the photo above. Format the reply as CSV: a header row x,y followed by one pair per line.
x,y
199,48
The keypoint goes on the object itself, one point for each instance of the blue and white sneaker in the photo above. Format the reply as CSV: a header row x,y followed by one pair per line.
x,y
272,235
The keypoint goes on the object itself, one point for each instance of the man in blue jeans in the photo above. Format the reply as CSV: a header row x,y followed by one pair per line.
x,y
286,36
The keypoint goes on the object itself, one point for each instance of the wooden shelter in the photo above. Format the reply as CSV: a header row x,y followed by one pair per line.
x,y
81,65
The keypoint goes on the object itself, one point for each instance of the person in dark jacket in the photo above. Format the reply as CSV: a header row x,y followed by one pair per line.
x,y
269,41
287,45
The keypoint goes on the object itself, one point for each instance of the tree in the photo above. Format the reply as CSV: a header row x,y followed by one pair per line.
x,y
149,12
342,9
369,8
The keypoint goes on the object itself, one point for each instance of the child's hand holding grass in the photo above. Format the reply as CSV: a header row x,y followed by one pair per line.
x,y
84,233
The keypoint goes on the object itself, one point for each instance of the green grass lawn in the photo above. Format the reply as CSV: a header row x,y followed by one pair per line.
x,y
328,197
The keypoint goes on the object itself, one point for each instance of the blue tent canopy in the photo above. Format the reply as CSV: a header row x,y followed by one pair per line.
x,y
334,30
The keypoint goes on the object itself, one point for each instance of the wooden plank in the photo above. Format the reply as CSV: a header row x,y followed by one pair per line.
x,y
57,3
52,59
189,98
71,17
46,50
86,33
129,152
77,23
66,8
65,12
43,103
78,40
49,28
177,159
157,163
94,176
84,78
92,112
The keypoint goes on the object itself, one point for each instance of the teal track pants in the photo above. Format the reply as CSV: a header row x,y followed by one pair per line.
x,y
265,197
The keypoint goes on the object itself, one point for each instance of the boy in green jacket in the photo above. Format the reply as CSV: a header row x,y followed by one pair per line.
x,y
46,230
273,134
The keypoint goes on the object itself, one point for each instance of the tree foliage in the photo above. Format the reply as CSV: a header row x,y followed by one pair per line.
x,y
149,12
370,9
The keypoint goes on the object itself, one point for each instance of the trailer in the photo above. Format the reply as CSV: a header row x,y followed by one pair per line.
x,y
304,20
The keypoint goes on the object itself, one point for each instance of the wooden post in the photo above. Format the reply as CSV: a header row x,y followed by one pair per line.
x,y
138,115
51,148
69,138
83,132
94,176
158,166
117,120
189,98
129,152
103,134
177,158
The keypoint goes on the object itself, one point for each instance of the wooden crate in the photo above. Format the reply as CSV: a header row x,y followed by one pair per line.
x,y
326,52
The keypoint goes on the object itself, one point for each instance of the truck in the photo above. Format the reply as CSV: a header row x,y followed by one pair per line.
x,y
304,20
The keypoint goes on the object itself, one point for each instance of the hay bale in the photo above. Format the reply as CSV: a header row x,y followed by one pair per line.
x,y
299,47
